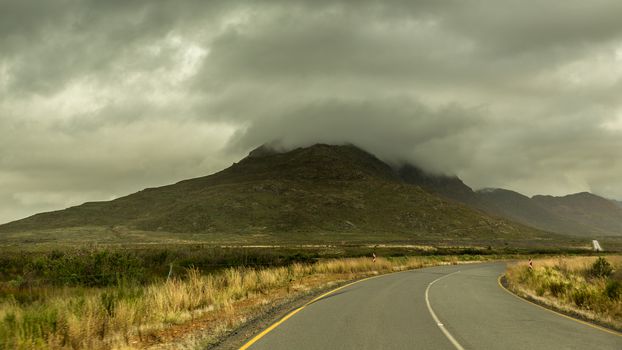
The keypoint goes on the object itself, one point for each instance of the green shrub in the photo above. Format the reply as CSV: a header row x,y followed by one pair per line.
x,y
87,268
557,288
581,297
601,268
613,290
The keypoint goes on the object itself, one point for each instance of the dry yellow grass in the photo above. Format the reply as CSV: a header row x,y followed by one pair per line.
x,y
125,318
569,284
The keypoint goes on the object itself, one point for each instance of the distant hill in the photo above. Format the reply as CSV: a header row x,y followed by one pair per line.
x,y
598,214
318,193
529,211
582,214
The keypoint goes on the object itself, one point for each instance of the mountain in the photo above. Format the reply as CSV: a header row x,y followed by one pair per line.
x,y
600,215
582,214
314,194
494,201
520,208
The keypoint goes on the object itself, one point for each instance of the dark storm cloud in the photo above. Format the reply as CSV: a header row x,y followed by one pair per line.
x,y
101,98
373,124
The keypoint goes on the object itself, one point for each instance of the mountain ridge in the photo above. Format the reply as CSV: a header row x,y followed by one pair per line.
x,y
579,214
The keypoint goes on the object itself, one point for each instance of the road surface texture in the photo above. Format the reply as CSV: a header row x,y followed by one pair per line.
x,y
465,308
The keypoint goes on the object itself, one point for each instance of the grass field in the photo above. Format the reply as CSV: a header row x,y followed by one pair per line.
x,y
137,296
590,287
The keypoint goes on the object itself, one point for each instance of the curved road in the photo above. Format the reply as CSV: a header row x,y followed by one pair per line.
x,y
467,310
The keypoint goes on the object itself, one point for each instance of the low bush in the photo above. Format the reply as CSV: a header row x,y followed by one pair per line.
x,y
86,268
601,268
581,296
557,288
613,290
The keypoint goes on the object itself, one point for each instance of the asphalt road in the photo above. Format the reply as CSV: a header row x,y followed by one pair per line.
x,y
465,309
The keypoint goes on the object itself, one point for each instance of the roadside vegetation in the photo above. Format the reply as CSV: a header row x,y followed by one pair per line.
x,y
587,287
102,299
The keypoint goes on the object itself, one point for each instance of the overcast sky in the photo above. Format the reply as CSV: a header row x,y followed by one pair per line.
x,y
103,98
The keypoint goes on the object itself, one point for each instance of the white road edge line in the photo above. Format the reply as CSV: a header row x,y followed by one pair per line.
x,y
438,322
